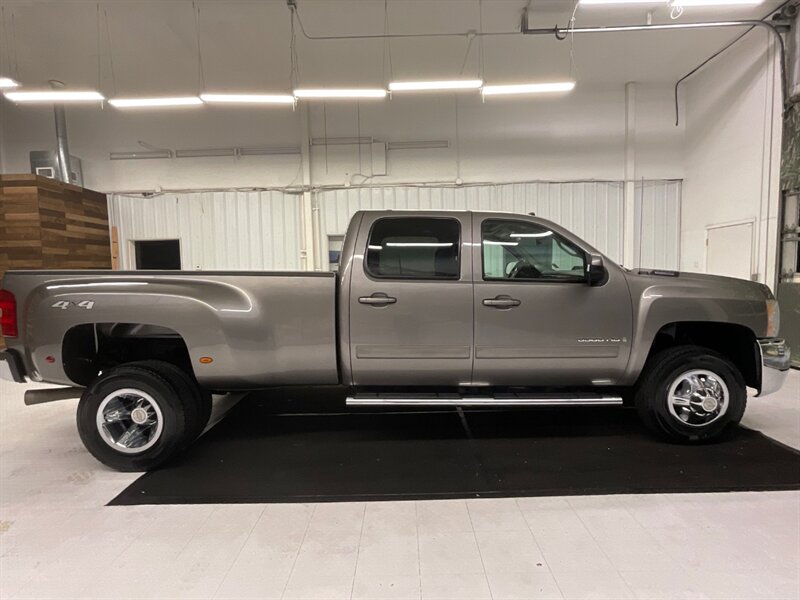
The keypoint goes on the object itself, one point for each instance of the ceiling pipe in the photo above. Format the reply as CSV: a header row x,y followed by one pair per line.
x,y
561,33
62,149
292,6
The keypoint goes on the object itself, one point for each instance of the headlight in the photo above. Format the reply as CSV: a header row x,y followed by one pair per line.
x,y
773,318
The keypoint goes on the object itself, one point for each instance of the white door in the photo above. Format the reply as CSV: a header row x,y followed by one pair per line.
x,y
729,250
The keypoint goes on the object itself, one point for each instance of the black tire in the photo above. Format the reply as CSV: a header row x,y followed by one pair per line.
x,y
663,369
198,408
171,403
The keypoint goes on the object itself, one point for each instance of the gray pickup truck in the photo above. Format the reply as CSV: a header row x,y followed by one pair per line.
x,y
429,308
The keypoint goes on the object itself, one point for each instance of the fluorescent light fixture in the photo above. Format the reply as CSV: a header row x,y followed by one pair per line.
x,y
7,83
54,96
663,26
528,88
340,93
425,86
494,243
154,102
623,1
685,3
248,98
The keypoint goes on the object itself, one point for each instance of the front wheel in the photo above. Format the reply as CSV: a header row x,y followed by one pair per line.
x,y
133,418
690,394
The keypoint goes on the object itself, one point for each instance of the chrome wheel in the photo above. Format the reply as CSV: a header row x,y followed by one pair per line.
x,y
698,398
129,420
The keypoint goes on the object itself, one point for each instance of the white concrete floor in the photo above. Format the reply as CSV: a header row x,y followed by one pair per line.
x,y
58,540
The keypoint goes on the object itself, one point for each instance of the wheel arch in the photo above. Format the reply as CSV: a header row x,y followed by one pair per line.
x,y
89,348
735,342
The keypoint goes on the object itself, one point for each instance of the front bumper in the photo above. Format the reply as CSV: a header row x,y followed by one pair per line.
x,y
775,362
11,367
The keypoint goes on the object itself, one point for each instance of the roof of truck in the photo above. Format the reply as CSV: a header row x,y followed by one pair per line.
x,y
445,211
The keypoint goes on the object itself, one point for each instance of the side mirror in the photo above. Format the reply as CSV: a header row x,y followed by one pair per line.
x,y
595,270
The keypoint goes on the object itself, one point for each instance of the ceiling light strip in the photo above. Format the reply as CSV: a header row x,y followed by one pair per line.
x,y
54,96
528,88
685,3
424,86
675,2
344,93
155,102
597,2
7,83
248,98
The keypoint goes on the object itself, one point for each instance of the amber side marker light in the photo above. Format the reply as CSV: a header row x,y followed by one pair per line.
x,y
206,360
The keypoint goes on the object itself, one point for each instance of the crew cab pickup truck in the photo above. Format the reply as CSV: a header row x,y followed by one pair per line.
x,y
428,308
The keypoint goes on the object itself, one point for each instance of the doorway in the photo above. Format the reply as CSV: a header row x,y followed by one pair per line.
x,y
159,255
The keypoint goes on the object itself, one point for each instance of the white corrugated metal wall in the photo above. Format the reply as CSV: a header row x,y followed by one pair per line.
x,y
593,210
262,231
217,230
658,220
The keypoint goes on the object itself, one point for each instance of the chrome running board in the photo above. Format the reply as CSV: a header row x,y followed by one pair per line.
x,y
433,400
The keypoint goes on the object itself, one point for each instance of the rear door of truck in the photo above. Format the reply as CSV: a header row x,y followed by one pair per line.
x,y
410,301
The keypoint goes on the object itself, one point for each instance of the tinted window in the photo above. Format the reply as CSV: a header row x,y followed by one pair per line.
x,y
526,251
414,248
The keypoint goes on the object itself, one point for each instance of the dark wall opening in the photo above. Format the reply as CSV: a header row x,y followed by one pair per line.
x,y
158,254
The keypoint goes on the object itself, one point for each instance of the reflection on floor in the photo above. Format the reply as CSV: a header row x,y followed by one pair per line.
x,y
58,540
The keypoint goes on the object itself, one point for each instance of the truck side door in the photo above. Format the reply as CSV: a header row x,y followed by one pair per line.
x,y
410,301
537,322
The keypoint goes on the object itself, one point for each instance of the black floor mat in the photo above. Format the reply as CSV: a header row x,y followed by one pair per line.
x,y
295,445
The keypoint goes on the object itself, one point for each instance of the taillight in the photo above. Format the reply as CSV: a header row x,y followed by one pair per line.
x,y
8,314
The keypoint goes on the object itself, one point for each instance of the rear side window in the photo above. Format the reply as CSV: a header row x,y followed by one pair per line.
x,y
414,248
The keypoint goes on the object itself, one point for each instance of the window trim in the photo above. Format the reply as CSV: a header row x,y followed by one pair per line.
x,y
370,275
581,280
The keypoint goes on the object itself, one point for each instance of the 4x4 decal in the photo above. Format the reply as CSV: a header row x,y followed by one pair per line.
x,y
65,304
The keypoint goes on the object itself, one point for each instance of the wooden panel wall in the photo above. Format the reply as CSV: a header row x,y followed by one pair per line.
x,y
20,235
46,224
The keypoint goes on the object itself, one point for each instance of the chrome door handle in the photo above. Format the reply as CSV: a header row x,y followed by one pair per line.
x,y
377,299
502,302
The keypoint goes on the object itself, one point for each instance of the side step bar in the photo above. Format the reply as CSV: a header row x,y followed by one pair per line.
x,y
483,401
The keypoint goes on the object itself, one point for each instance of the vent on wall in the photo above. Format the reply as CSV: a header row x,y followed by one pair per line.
x,y
45,163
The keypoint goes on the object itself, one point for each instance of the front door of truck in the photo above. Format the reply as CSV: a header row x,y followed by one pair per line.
x,y
411,301
537,322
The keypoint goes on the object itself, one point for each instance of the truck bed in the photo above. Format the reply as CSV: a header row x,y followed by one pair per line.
x,y
251,329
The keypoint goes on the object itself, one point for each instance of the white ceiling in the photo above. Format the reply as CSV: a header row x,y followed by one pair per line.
x,y
245,43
